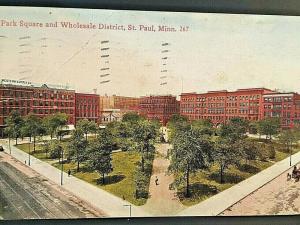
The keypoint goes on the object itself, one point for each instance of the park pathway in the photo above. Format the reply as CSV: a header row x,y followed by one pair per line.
x,y
162,201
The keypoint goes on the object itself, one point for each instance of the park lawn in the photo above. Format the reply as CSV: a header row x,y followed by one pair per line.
x,y
39,152
120,182
204,184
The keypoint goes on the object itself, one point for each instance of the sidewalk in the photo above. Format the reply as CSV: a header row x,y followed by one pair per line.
x,y
220,202
98,198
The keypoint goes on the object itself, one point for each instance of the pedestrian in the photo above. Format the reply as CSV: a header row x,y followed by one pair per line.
x,y
289,176
156,181
69,172
25,162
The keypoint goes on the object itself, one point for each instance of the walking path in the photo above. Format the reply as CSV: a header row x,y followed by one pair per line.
x,y
104,201
225,199
162,201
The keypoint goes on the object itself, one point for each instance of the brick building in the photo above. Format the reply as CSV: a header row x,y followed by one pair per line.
x,y
126,103
45,99
42,100
251,104
159,107
123,103
112,108
286,106
87,107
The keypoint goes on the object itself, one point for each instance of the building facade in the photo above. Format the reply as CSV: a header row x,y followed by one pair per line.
x,y
126,104
45,99
112,108
252,104
87,106
159,107
123,103
110,115
285,106
41,100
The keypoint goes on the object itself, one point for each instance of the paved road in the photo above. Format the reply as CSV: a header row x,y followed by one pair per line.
x,y
24,194
279,197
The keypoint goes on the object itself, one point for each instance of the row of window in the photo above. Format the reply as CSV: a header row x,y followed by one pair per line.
x,y
54,95
222,98
15,93
278,99
51,111
220,118
278,106
87,114
51,103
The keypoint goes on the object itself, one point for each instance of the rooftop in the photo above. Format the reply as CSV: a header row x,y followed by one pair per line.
x,y
32,84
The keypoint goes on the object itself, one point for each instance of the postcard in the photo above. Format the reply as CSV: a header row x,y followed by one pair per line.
x,y
115,113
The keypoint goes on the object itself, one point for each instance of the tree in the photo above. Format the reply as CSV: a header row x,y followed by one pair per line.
x,y
227,153
33,127
141,181
10,133
99,158
287,138
234,130
14,124
55,123
132,117
144,136
55,149
250,149
269,127
77,147
253,127
46,147
177,123
86,126
204,126
191,152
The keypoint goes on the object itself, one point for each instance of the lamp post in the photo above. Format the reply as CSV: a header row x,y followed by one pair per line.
x,y
291,148
129,209
9,146
62,165
29,153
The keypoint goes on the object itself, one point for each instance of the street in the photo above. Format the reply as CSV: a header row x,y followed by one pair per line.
x,y
25,194
278,197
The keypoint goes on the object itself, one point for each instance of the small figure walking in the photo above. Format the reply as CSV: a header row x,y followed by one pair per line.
x,y
69,172
289,176
25,162
156,181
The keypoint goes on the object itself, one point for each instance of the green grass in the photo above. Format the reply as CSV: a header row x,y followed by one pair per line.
x,y
39,152
204,184
120,182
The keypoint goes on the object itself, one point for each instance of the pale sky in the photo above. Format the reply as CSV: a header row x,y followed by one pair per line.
x,y
220,51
